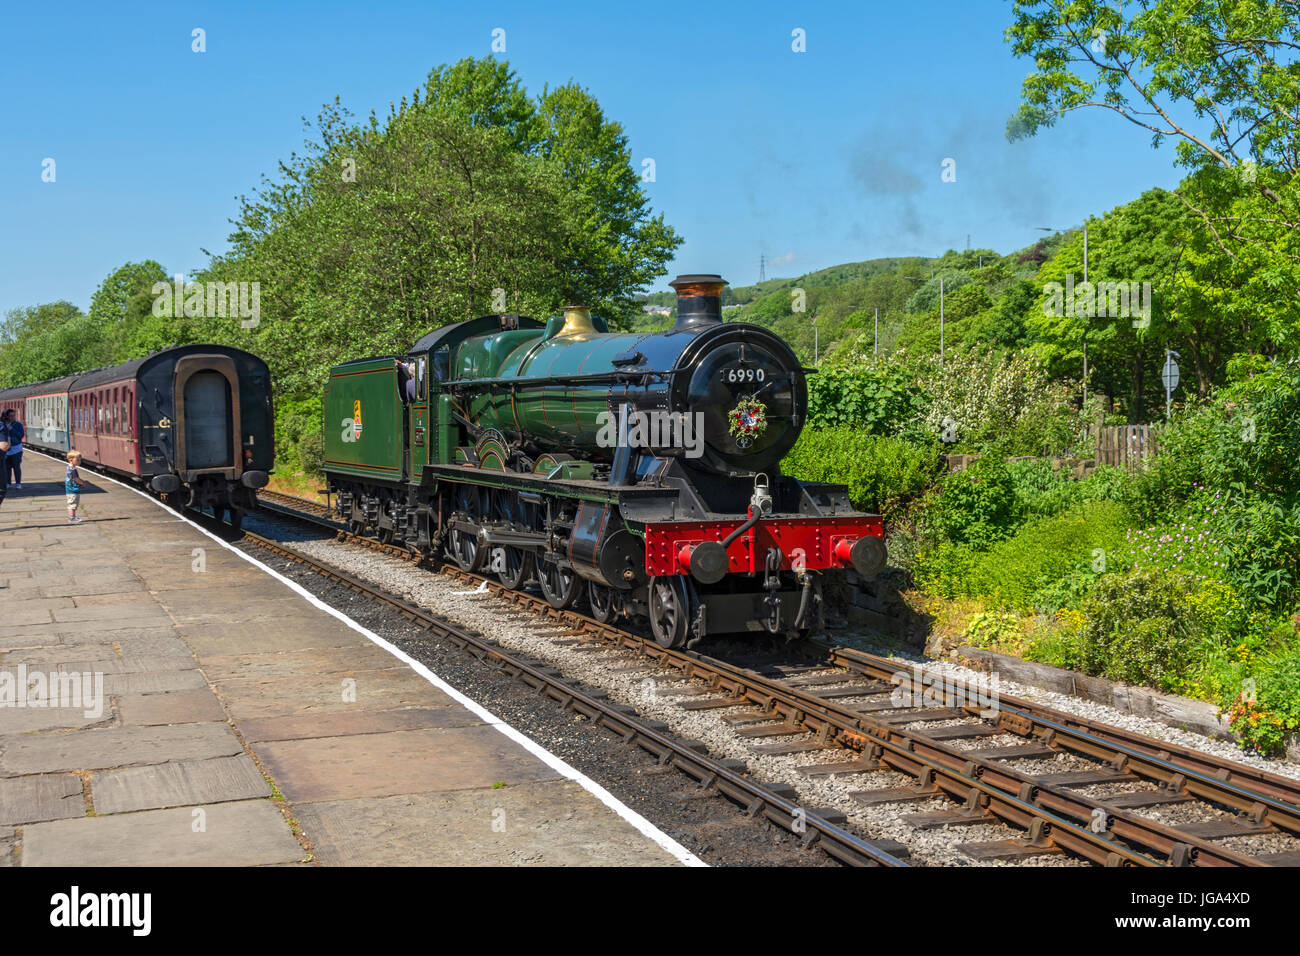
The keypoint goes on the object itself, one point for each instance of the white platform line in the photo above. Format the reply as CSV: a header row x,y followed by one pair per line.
x,y
642,825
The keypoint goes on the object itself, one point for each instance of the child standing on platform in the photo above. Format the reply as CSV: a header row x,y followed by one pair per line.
x,y
72,486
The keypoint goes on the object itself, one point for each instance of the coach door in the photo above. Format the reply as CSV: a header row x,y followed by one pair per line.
x,y
96,416
207,416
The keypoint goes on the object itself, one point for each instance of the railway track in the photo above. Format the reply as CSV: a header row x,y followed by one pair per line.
x,y
859,708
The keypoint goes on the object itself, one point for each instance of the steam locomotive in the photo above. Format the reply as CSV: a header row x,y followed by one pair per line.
x,y
638,473
192,423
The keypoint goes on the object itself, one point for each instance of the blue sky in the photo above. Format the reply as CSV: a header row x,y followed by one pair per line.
x,y
813,158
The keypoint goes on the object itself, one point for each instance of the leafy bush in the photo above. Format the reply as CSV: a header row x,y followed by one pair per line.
x,y
1049,563
880,400
976,506
1139,627
1244,539
1025,570
881,472
299,441
999,404
993,629
1268,709
1042,491
944,567
1249,441
1187,544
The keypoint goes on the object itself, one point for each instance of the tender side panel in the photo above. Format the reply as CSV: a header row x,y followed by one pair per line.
x,y
364,423
815,538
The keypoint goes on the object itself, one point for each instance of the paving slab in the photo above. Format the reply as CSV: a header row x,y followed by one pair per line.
x,y
153,683
133,616
318,660
343,691
34,799
26,720
15,637
182,783
247,833
187,706
113,747
413,761
81,588
536,824
215,640
118,635
355,722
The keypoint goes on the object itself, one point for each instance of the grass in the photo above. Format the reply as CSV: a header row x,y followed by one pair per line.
x,y
297,483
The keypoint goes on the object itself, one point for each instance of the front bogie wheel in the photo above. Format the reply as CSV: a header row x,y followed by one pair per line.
x,y
669,610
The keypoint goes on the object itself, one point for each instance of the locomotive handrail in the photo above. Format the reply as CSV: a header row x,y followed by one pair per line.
x,y
591,378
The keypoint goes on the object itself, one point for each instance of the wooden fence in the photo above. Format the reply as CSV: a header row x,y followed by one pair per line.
x,y
1126,445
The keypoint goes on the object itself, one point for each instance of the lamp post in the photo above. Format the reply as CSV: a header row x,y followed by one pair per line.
x,y
922,279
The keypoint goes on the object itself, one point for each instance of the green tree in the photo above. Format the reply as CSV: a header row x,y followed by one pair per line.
x,y
122,307
1221,80
386,229
46,341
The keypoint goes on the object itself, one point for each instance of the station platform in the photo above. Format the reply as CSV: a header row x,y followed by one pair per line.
x,y
208,712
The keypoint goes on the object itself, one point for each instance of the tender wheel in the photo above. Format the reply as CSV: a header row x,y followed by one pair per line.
x,y
517,566
560,586
385,535
464,550
668,610
601,599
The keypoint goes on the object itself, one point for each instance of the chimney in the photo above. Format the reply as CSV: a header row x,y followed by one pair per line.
x,y
699,301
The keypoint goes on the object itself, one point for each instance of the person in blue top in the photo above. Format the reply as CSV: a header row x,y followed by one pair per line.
x,y
4,448
13,463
